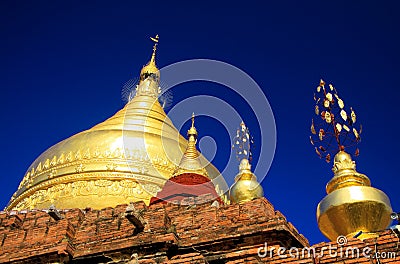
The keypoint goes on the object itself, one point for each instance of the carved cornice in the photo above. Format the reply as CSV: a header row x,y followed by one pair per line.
x,y
100,184
95,160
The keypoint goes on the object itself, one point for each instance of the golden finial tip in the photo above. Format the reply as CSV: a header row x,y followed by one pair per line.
x,y
190,162
192,130
321,82
155,40
193,119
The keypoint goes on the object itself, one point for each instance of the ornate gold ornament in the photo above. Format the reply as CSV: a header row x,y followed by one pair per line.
x,y
351,204
246,187
335,123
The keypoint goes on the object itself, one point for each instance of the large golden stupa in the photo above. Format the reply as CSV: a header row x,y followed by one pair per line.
x,y
126,158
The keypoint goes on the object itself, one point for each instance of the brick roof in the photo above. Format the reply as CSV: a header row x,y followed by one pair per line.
x,y
172,233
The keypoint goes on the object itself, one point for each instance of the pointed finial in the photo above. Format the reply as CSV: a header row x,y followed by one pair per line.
x,y
153,56
151,68
192,132
190,162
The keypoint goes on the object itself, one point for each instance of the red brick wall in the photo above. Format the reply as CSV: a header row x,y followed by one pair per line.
x,y
172,233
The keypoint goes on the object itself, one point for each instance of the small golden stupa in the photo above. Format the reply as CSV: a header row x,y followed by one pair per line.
x,y
190,162
126,158
190,178
352,207
246,187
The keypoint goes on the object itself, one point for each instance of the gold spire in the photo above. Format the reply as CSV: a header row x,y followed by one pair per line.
x,y
150,69
190,162
150,76
192,134
191,151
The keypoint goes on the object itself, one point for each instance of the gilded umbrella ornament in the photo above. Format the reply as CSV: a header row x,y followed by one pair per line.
x,y
243,143
351,205
246,187
337,126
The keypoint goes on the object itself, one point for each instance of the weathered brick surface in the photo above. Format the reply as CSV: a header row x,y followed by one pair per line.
x,y
172,233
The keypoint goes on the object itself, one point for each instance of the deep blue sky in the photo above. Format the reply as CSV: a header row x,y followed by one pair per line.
x,y
63,65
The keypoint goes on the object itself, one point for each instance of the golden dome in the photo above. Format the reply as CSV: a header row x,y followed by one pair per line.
x,y
352,205
246,187
124,159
